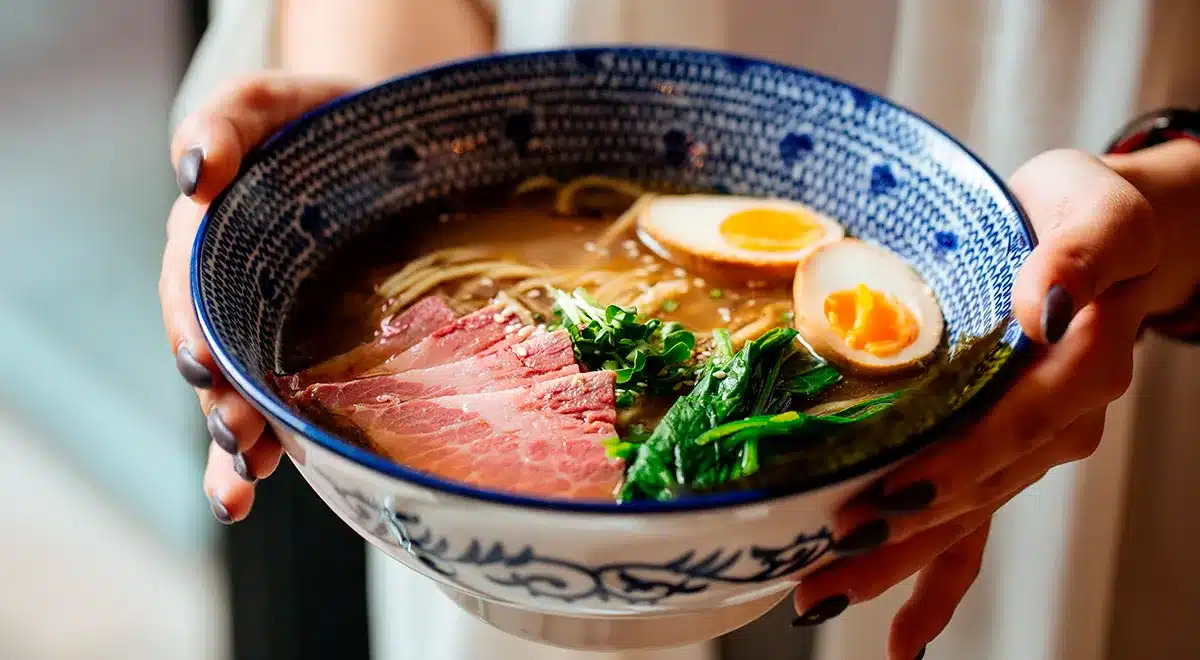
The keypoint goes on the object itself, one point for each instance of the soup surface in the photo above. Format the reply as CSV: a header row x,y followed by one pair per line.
x,y
590,340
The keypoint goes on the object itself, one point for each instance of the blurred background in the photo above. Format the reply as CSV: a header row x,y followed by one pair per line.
x,y
107,547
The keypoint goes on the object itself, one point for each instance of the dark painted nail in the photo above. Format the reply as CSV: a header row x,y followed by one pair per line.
x,y
196,374
822,611
219,511
1057,311
914,497
243,468
220,431
187,170
862,539
920,654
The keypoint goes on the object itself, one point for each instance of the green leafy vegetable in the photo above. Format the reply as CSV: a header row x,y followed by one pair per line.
x,y
646,356
729,386
669,305
880,424
814,380
715,294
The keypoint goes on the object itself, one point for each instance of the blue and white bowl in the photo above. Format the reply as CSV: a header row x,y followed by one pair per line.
x,y
588,575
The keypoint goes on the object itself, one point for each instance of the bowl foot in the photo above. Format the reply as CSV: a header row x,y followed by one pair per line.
x,y
623,633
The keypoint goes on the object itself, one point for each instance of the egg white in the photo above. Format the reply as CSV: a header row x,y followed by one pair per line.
x,y
842,266
686,230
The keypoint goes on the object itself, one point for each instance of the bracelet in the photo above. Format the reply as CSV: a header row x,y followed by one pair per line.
x,y
1146,131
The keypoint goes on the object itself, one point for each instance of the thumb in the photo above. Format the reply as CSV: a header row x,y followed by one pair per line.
x,y
1095,231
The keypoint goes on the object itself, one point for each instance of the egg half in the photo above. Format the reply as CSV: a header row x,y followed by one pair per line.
x,y
863,308
734,238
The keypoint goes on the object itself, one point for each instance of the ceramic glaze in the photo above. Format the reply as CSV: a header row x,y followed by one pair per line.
x,y
584,574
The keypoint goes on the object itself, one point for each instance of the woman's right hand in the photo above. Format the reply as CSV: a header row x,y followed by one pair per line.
x,y
207,151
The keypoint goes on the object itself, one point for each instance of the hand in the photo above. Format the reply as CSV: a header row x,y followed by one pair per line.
x,y
1105,262
207,150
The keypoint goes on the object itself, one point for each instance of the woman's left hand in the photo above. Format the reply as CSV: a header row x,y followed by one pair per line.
x,y
1082,296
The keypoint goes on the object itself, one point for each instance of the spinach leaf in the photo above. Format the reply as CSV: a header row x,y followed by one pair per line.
x,y
729,386
815,379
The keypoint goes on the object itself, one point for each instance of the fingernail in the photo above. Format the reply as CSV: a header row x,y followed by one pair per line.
x,y
219,511
220,431
243,468
862,539
1057,310
822,611
920,654
196,374
187,170
914,497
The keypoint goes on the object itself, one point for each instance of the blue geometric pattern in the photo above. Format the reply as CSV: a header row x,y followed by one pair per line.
x,y
670,118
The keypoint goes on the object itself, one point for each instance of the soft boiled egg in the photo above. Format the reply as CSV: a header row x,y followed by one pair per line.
x,y
863,308
734,238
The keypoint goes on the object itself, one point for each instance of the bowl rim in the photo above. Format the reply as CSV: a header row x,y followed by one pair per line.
x,y
273,407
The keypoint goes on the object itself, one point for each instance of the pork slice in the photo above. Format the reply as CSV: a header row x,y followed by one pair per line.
x,y
472,334
542,356
399,333
545,439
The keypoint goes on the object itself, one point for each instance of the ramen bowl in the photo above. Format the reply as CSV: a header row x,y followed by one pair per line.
x,y
588,575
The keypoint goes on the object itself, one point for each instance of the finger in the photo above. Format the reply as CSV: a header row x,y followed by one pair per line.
x,y
233,423
1095,230
940,587
859,579
229,495
260,461
210,143
1092,366
1076,442
192,357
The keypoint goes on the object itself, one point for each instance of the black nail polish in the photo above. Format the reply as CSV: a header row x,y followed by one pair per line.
x,y
187,170
862,539
920,654
219,511
243,468
220,431
196,374
1057,310
914,497
822,611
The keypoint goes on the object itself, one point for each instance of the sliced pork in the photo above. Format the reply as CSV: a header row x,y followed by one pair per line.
x,y
542,356
398,334
474,333
542,439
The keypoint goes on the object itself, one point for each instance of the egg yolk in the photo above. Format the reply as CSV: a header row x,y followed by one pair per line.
x,y
770,230
871,321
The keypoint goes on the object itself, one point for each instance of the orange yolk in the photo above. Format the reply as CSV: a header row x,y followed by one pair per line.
x,y
770,230
871,321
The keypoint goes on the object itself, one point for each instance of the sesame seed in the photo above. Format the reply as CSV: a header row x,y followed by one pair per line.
x,y
630,245
679,272
536,293
520,351
499,318
444,218
647,258
698,282
525,331
487,281
678,386
577,380
589,246
653,268
541,327
723,312
719,375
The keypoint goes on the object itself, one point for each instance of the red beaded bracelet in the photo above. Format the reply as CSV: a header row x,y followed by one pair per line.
x,y
1145,131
